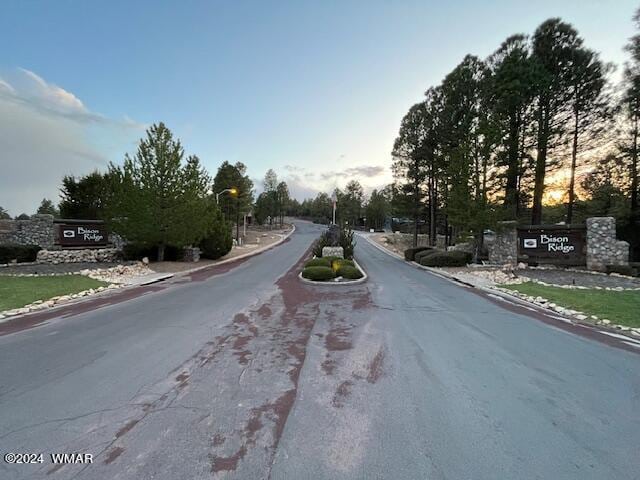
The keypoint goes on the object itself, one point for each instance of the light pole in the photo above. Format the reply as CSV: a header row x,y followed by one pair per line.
x,y
231,190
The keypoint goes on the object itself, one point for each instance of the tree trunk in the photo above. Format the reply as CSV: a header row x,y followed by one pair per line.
x,y
635,208
433,231
541,166
574,155
161,252
416,210
511,188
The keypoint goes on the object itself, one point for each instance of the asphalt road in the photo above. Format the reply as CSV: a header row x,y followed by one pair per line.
x,y
245,372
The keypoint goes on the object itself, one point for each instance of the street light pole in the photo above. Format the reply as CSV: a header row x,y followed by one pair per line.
x,y
231,190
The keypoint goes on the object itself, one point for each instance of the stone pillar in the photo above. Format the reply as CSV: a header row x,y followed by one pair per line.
x,y
504,250
602,246
191,254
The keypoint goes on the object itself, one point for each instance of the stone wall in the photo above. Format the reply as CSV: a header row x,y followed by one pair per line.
x,y
602,246
504,250
38,230
88,255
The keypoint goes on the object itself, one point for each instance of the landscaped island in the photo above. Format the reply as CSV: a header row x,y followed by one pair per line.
x,y
333,258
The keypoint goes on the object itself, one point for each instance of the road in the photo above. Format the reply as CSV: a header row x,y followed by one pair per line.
x,y
243,371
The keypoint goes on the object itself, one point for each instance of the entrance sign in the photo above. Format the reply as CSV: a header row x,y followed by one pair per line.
x,y
78,234
556,244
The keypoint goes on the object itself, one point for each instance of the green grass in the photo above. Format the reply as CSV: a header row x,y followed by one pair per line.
x,y
17,292
620,307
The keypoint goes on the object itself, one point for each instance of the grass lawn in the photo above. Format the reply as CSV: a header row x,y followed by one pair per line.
x,y
17,292
620,307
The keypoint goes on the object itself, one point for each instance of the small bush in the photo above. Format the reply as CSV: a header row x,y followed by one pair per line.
x,y
21,253
323,241
318,262
446,259
336,263
318,273
622,270
350,272
347,242
424,253
410,253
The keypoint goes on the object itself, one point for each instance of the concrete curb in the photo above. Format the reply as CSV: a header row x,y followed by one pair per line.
x,y
239,257
342,284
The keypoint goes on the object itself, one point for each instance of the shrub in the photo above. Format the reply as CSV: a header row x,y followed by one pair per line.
x,y
446,259
219,240
337,262
323,241
424,253
350,272
622,270
318,273
410,253
21,253
347,242
318,262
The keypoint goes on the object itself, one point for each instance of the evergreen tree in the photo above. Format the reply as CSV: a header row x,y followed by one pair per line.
x,y
4,215
589,107
85,197
410,162
554,43
157,200
376,210
630,105
234,205
47,207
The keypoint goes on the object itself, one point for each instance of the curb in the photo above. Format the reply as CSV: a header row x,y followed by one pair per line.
x,y
342,284
607,330
150,281
239,257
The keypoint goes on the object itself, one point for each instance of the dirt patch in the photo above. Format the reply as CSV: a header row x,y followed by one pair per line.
x,y
127,427
328,366
342,393
376,367
218,439
114,453
229,464
338,339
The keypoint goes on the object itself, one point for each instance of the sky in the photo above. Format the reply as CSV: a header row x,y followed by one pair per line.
x,y
315,90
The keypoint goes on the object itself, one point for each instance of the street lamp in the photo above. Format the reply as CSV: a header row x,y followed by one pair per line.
x,y
231,190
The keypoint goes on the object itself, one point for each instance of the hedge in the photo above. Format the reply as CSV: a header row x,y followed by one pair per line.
x,y
446,259
409,253
424,253
318,273
21,253
347,271
318,262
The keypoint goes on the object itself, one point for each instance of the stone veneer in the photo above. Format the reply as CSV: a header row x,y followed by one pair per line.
x,y
602,246
504,250
333,252
38,230
191,254
89,255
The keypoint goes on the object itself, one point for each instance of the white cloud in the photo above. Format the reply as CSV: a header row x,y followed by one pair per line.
x,y
304,183
47,132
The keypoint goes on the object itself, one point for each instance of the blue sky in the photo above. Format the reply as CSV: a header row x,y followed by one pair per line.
x,y
315,90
